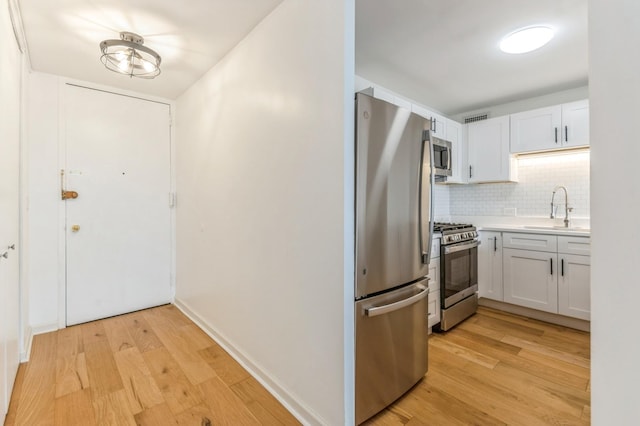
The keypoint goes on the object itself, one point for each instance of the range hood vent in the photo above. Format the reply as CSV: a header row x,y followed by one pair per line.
x,y
476,117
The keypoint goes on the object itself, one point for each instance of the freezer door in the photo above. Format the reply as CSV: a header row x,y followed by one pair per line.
x,y
391,346
393,196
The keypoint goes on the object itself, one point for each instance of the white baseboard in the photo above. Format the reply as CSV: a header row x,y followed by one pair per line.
x,y
28,340
576,323
34,331
44,328
302,413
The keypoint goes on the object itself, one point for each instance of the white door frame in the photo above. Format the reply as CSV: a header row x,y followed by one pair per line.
x,y
62,150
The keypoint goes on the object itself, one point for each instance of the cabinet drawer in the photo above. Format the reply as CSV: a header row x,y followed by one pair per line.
x,y
574,245
536,242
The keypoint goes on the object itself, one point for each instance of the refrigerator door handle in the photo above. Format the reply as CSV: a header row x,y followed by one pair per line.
x,y
381,310
425,245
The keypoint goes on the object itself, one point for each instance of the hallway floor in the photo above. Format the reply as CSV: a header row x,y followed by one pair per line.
x,y
152,367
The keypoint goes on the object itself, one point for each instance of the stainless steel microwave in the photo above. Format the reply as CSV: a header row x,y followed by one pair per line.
x,y
441,158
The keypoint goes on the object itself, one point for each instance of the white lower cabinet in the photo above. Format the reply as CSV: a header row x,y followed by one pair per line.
x,y
433,316
550,273
434,292
490,265
574,286
530,279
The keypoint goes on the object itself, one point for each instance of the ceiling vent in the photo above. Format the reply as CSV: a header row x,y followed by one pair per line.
x,y
477,117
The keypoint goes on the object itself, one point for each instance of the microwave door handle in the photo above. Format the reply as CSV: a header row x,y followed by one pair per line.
x,y
448,153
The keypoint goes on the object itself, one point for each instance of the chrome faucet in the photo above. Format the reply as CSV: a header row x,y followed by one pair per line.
x,y
567,209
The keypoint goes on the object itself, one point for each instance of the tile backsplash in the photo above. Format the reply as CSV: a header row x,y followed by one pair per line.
x,y
531,196
441,207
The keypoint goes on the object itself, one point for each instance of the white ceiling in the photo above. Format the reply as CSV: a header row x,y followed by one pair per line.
x,y
63,36
442,53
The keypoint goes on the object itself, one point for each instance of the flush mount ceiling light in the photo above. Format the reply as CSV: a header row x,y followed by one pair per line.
x,y
526,39
129,56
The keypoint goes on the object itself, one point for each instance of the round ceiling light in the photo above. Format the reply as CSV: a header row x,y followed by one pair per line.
x,y
526,39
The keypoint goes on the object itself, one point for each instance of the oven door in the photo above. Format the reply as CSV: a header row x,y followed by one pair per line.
x,y
459,272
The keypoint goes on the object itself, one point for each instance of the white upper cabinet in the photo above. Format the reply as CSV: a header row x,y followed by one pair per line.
x,y
575,124
488,151
556,127
536,130
438,122
458,153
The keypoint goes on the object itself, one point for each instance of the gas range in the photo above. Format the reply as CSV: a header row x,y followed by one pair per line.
x,y
458,272
453,233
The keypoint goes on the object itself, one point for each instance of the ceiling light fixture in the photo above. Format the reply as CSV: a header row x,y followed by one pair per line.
x,y
129,56
526,39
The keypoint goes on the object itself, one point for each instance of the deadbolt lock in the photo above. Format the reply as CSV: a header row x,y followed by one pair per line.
x,y
69,194
75,228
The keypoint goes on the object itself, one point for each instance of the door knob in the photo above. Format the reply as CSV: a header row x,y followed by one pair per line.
x,y
75,228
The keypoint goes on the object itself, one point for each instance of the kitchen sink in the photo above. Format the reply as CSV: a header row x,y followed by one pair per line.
x,y
557,228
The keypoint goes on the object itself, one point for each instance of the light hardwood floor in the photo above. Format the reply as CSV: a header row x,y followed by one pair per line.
x,y
155,367
152,367
496,368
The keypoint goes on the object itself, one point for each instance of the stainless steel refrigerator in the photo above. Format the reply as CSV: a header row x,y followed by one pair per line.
x,y
394,180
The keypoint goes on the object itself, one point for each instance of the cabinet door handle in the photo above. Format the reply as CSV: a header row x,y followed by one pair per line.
x,y
551,259
470,174
562,267
495,244
555,129
566,133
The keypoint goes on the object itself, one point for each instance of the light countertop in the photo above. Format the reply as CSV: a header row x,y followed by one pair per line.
x,y
537,229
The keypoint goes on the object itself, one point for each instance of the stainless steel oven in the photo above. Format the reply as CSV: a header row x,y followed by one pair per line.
x,y
458,273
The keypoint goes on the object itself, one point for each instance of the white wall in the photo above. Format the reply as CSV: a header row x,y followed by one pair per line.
x,y
263,142
614,80
43,200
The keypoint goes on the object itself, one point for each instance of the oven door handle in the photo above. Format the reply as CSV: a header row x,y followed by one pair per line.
x,y
385,309
461,247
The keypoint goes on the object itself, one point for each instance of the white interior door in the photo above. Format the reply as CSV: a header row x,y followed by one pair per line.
x,y
118,229
10,121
